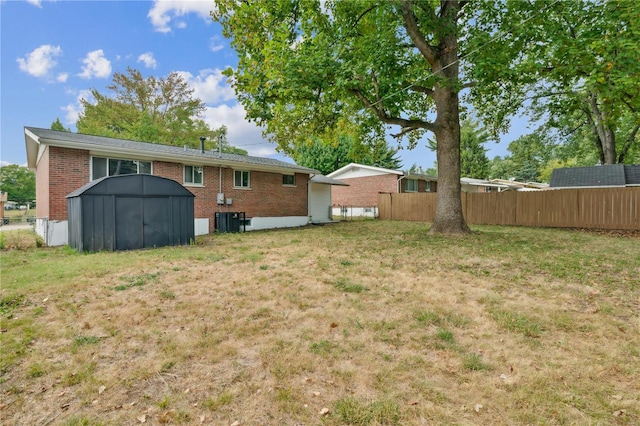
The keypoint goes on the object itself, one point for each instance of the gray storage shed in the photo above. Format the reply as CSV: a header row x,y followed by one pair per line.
x,y
130,212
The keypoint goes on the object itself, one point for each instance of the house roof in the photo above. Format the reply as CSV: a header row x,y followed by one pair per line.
x,y
632,174
482,182
594,176
355,167
327,180
36,139
352,170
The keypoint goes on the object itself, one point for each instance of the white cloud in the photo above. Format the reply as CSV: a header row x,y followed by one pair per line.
x,y
96,65
39,62
148,60
215,44
62,77
164,11
73,110
209,85
240,132
37,3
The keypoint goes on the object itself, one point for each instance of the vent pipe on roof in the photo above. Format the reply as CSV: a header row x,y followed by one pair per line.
x,y
202,138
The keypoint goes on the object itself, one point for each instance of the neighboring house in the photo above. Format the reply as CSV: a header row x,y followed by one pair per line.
x,y
609,175
272,193
481,185
360,198
499,185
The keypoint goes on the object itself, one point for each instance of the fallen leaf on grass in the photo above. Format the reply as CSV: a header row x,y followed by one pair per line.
x,y
477,408
619,413
142,418
324,411
101,390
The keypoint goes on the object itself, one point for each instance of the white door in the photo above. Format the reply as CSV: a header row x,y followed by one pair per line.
x,y
319,202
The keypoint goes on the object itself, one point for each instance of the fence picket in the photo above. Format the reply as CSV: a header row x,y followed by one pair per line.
x,y
595,208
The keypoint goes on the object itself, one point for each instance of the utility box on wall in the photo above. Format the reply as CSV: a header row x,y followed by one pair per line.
x,y
130,212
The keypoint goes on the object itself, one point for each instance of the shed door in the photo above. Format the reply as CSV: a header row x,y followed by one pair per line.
x,y
128,223
157,222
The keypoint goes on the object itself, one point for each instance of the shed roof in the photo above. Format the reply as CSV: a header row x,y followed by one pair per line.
x,y
140,185
100,145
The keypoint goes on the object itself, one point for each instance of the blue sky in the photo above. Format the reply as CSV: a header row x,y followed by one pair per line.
x,y
54,52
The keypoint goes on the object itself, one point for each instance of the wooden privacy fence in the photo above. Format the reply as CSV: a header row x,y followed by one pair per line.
x,y
595,208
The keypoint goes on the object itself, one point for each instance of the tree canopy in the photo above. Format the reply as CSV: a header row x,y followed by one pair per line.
x,y
575,66
151,109
57,125
18,182
306,67
328,157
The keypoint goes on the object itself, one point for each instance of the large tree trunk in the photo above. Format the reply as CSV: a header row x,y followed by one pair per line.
x,y
605,136
449,218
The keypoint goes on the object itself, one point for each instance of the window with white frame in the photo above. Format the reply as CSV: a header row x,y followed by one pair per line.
x,y
101,167
411,185
241,179
289,180
193,175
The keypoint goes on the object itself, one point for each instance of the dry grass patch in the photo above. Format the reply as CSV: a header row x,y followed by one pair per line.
x,y
362,323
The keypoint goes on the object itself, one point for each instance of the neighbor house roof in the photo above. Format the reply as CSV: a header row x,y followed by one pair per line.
x,y
355,167
594,176
358,170
327,180
36,139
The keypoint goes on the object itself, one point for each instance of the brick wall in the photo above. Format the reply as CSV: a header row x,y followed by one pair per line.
x,y
68,171
363,191
267,197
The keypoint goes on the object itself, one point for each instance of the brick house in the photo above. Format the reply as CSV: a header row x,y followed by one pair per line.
x,y
272,193
360,198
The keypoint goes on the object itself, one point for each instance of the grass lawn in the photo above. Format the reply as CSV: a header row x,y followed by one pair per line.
x,y
357,323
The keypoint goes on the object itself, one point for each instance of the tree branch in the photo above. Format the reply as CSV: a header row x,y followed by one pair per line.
x,y
363,14
429,52
402,122
417,88
627,144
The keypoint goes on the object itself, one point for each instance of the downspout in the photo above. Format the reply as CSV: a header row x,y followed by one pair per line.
x,y
219,169
311,176
399,187
399,191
